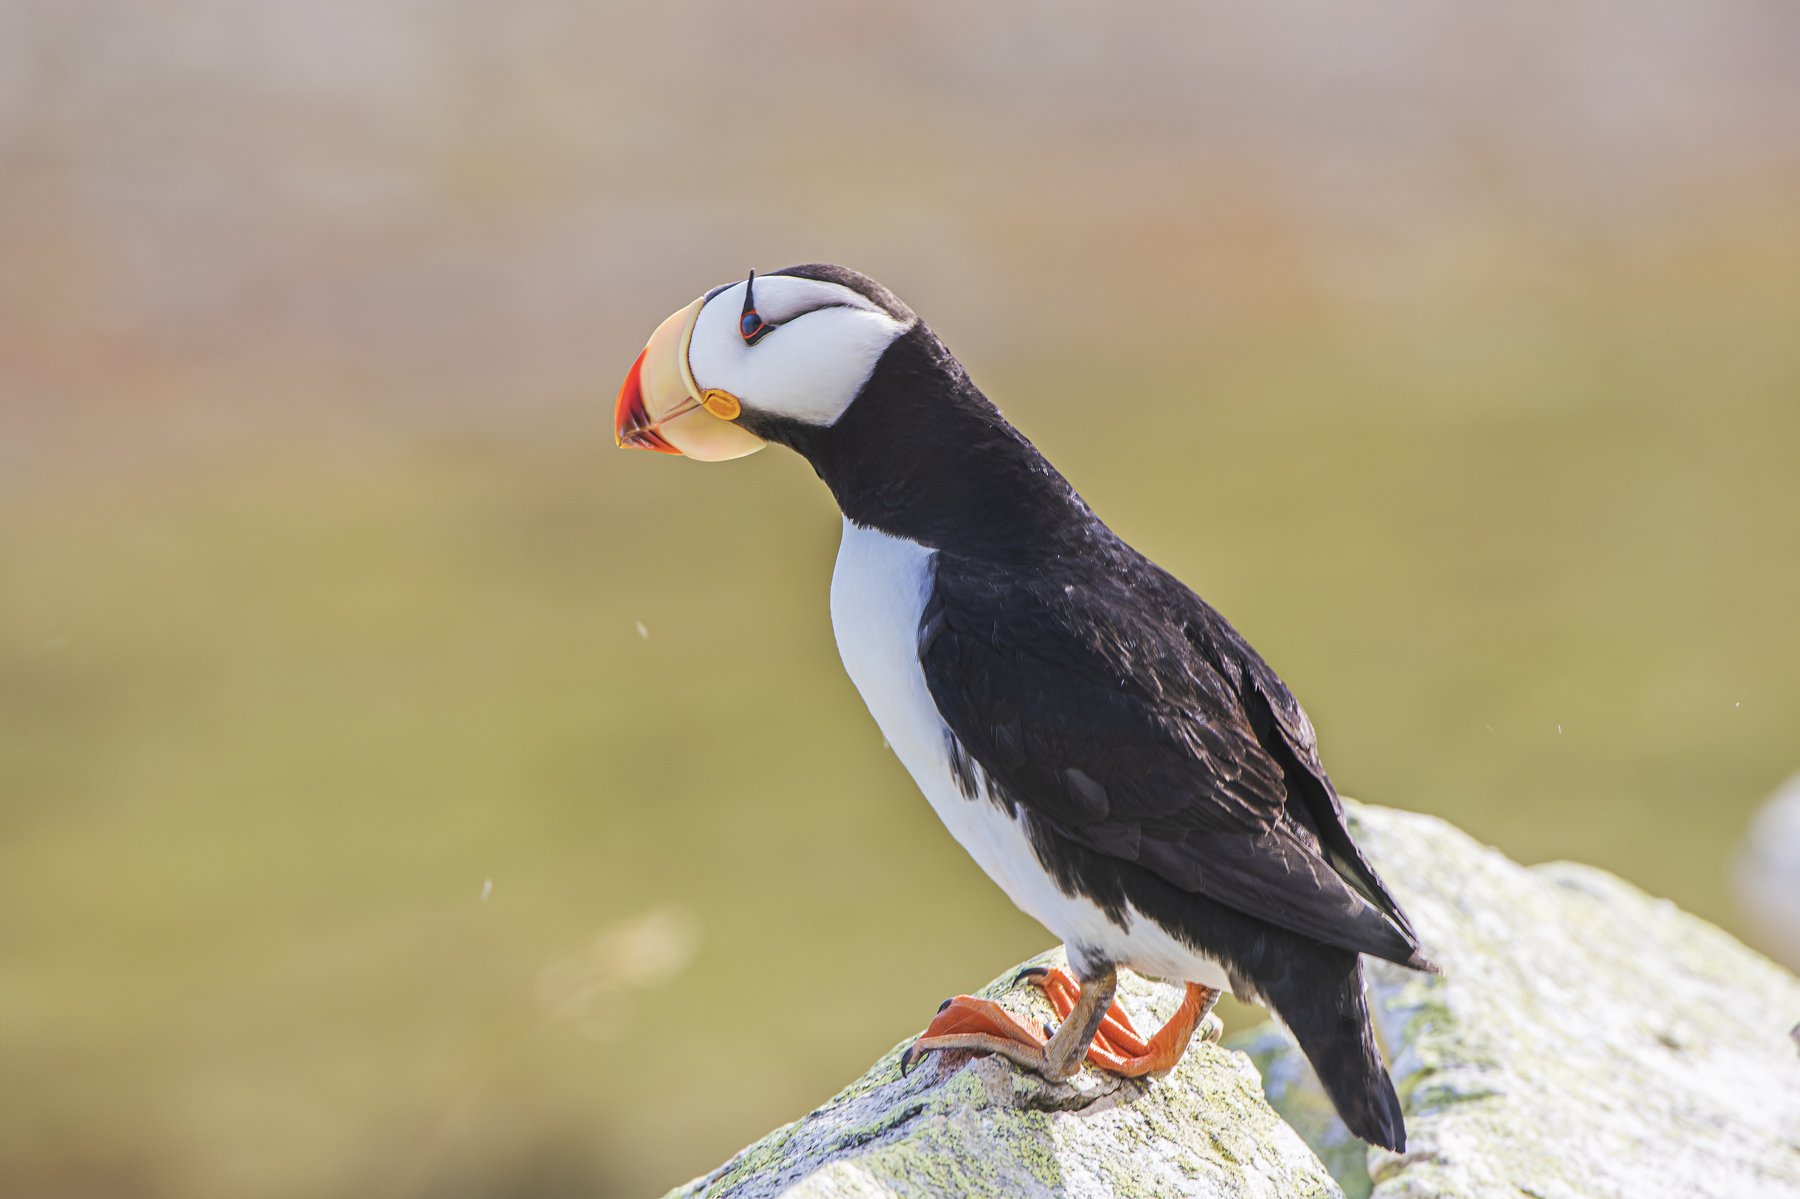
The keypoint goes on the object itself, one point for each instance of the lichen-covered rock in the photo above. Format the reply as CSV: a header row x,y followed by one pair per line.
x,y
964,1126
1584,1039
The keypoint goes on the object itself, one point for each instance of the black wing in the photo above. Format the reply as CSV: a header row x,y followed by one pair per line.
x,y
1124,714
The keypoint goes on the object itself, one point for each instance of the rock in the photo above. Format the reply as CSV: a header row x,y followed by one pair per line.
x,y
1584,1040
975,1126
1294,1091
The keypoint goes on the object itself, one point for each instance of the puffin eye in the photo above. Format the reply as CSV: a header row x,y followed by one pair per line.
x,y
751,326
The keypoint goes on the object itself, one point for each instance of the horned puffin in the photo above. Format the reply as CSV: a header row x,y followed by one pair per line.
x,y
1109,750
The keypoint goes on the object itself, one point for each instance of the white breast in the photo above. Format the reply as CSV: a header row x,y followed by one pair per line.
x,y
878,593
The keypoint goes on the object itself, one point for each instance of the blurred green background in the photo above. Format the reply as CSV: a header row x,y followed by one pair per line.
x,y
403,793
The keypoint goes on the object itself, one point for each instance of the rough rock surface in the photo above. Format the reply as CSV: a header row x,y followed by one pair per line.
x,y
964,1126
1585,1039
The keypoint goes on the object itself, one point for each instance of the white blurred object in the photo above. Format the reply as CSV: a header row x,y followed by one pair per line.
x,y
591,987
1766,875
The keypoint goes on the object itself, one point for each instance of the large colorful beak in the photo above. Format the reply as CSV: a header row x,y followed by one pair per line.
x,y
662,408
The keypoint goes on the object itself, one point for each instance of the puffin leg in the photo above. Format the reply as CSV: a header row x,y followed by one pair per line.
x,y
1075,1035
1171,1041
1116,1035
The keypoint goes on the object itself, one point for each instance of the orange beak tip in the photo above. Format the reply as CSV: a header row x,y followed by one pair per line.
x,y
631,422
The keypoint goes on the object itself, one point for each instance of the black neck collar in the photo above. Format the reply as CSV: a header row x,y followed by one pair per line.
x,y
922,454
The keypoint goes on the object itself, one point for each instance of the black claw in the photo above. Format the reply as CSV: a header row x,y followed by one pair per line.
x,y
946,1003
1030,972
906,1059
1048,1031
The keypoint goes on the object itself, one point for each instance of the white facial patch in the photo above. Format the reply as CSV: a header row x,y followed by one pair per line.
x,y
809,368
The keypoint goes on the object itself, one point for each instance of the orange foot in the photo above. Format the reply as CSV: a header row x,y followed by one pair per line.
x,y
983,1026
1117,1046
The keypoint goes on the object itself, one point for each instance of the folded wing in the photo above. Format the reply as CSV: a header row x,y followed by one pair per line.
x,y
1122,713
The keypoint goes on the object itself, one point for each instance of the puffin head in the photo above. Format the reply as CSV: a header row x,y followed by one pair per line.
x,y
746,361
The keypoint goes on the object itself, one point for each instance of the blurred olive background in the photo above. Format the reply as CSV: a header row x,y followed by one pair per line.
x,y
403,793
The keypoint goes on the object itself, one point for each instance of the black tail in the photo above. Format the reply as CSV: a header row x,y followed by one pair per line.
x,y
1320,998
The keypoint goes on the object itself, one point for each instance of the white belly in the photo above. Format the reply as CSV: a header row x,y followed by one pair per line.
x,y
878,593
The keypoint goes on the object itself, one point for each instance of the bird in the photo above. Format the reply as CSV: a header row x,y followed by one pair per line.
x,y
1112,753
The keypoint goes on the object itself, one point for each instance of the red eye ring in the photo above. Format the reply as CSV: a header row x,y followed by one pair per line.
x,y
751,326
